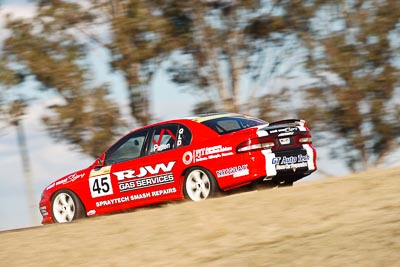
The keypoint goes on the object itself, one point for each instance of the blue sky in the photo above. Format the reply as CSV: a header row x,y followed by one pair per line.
x,y
51,160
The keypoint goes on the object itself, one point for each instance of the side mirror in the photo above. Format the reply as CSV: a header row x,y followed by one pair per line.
x,y
99,162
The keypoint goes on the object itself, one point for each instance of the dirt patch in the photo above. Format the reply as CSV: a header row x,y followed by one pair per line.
x,y
353,220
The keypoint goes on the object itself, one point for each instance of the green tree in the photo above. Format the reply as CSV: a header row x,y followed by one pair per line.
x,y
141,38
213,44
212,47
228,42
353,47
44,48
135,33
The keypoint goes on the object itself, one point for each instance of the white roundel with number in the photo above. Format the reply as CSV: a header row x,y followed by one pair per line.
x,y
100,186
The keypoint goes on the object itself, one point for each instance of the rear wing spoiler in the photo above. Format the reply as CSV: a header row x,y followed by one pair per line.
x,y
295,122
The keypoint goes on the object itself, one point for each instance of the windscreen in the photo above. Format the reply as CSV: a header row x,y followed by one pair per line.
x,y
226,125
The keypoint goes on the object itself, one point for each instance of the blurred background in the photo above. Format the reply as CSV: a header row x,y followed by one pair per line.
x,y
76,75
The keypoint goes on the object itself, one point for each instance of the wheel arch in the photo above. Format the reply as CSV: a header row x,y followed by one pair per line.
x,y
185,170
70,190
203,189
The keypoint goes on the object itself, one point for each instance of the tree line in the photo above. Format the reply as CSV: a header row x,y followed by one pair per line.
x,y
346,51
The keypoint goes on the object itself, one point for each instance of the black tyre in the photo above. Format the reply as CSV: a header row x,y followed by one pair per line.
x,y
66,207
285,184
199,184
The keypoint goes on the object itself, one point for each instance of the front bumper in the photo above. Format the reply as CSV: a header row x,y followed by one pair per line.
x,y
45,210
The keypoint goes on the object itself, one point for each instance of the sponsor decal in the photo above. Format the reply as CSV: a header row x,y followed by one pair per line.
x,y
293,166
131,179
236,171
91,212
101,171
140,196
167,191
291,162
146,182
112,201
71,178
291,159
187,157
128,180
51,186
286,134
180,132
206,153
143,171
134,197
159,148
100,186
284,130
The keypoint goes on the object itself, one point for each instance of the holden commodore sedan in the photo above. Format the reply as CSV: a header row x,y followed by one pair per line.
x,y
192,158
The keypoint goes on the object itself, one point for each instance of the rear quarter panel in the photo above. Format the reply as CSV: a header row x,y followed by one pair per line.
x,y
217,153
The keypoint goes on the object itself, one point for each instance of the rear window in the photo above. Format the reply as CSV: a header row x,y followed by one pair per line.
x,y
232,124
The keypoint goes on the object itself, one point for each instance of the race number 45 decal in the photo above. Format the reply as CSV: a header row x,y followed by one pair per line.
x,y
100,186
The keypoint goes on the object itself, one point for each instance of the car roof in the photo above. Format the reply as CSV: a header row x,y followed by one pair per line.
x,y
196,118
211,116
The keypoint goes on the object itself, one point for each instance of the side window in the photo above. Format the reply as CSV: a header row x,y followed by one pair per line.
x,y
184,136
128,148
232,124
229,125
164,138
170,136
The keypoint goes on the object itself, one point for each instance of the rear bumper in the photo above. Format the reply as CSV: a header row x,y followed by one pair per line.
x,y
294,164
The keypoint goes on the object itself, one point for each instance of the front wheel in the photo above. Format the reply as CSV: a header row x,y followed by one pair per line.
x,y
199,184
66,207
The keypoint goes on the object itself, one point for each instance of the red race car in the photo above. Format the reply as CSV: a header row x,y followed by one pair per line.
x,y
191,158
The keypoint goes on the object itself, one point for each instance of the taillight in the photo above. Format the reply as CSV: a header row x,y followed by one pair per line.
x,y
305,138
255,144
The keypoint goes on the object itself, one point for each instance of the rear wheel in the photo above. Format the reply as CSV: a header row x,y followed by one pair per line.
x,y
199,184
66,207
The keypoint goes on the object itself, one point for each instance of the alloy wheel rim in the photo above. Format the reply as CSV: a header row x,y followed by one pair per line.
x,y
63,208
198,185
